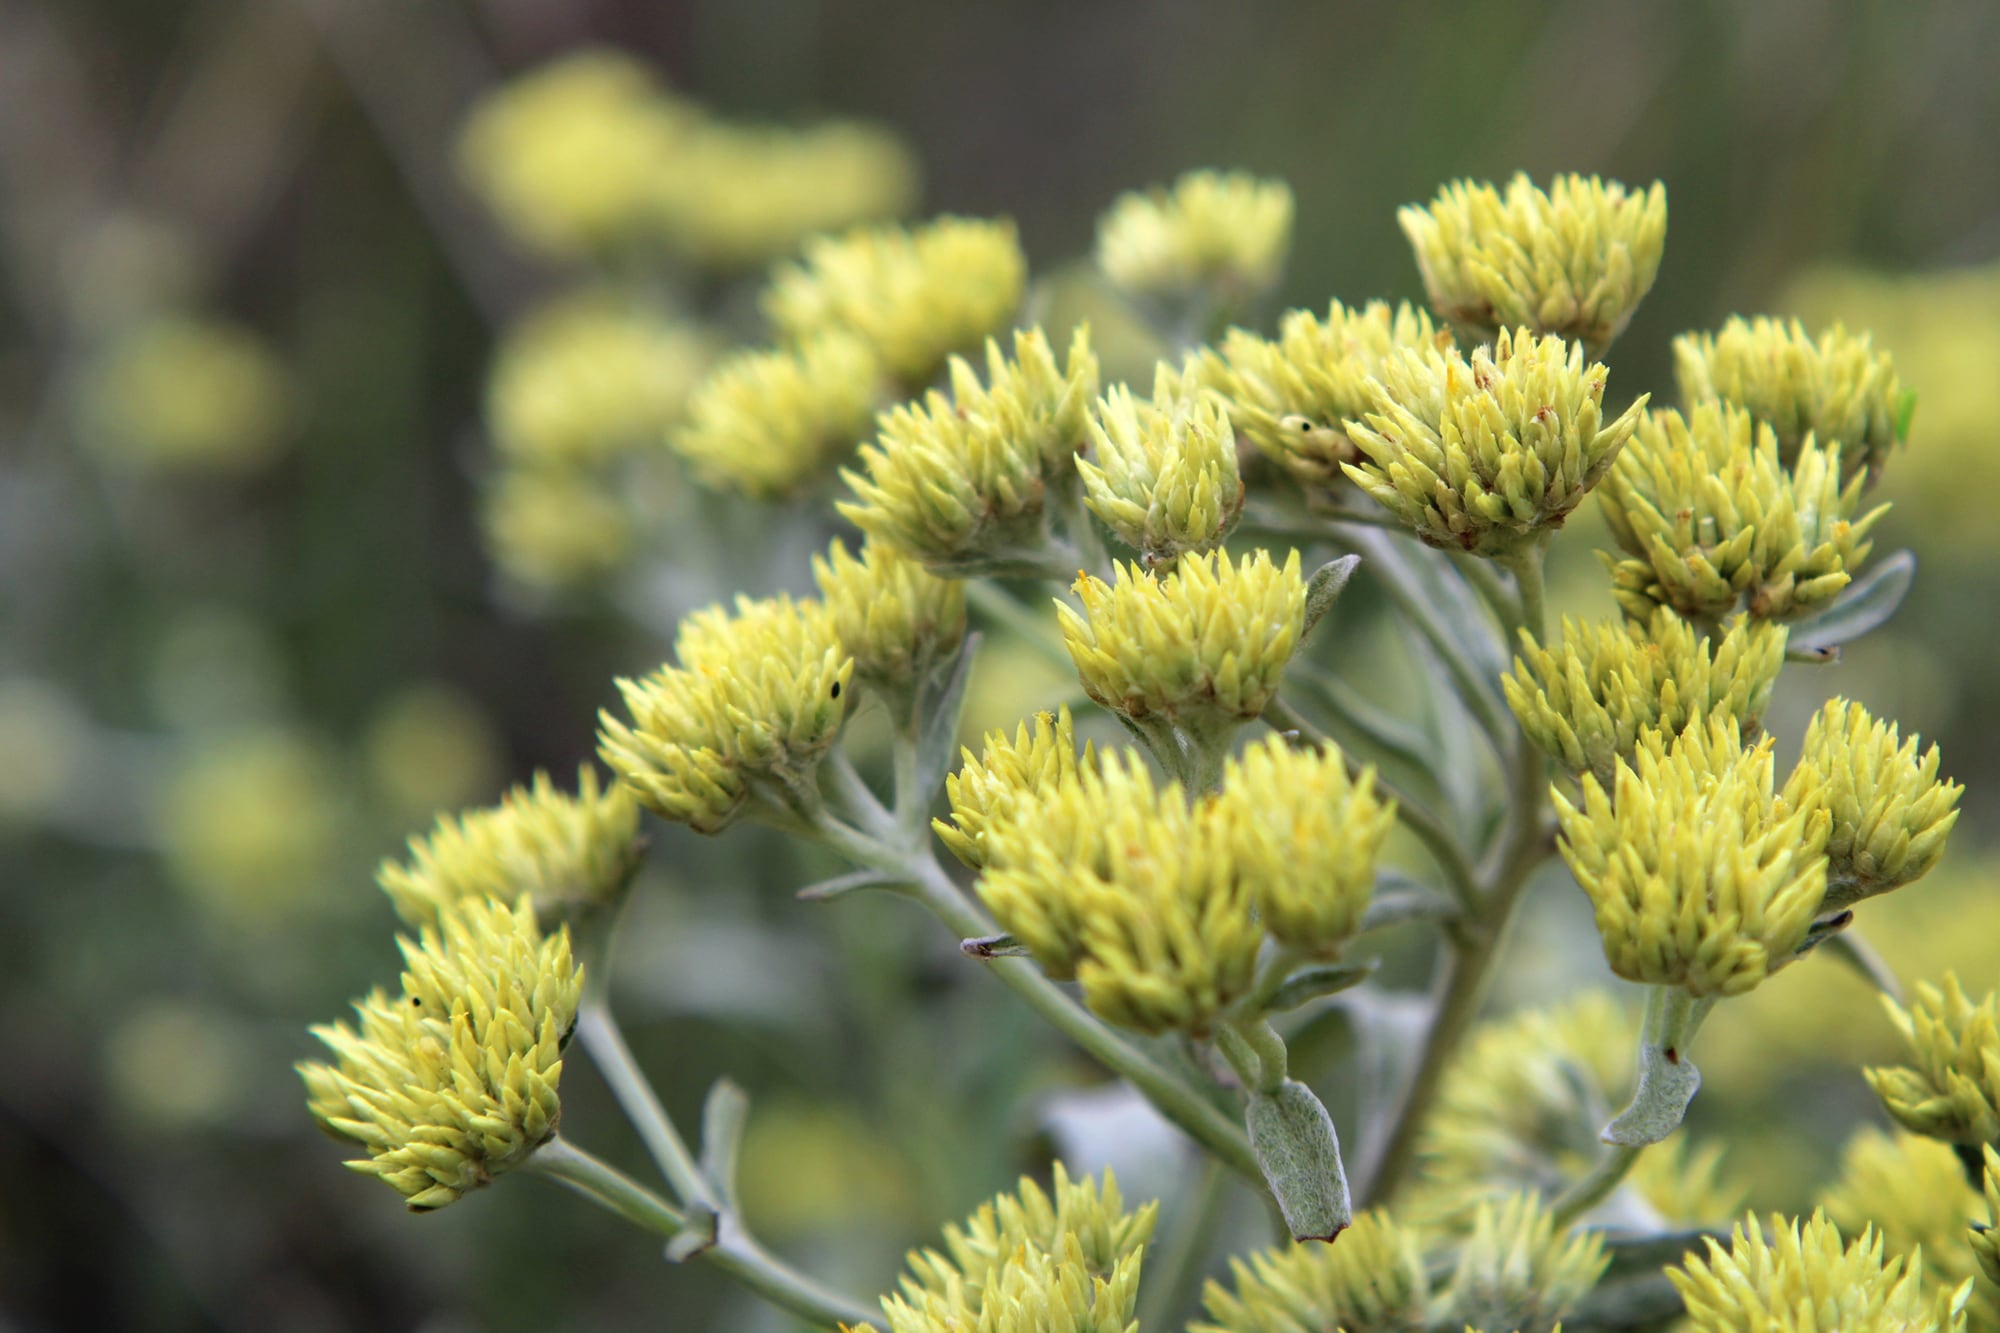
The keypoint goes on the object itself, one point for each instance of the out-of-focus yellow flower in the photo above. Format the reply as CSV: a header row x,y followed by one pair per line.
x,y
1951,1091
249,822
918,295
1224,233
1485,455
1574,261
1165,480
1913,1191
454,1081
570,157
894,618
588,378
1802,1277
428,747
186,393
172,1065
774,424
555,528
1293,397
1711,521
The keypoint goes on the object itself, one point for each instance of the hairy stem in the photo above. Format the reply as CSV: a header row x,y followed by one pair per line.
x,y
606,1186
600,1034
1591,1189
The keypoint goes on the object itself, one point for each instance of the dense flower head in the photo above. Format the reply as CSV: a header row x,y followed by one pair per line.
x,y
1835,388
1292,397
1521,1108
893,617
1203,645
1574,261
1712,521
1891,813
1066,1258
737,196
962,481
754,695
1950,1090
1914,1192
454,1080
550,528
1700,876
917,295
774,423
1306,835
569,156
1164,478
1801,1278
1223,233
1587,701
1486,454
985,789
587,378
558,849
186,393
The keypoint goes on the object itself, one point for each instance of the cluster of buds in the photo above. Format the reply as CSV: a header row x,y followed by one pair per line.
x,y
1573,262
1030,1261
1951,1090
1166,481
1803,1276
1292,397
985,788
963,482
895,618
453,1081
1712,521
1914,1191
1218,235
748,707
917,296
1836,389
564,852
1486,455
552,528
774,423
1589,700
1514,1267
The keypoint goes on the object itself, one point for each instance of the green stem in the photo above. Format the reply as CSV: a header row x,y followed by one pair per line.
x,y
1589,1190
1178,1269
600,1034
856,798
606,1186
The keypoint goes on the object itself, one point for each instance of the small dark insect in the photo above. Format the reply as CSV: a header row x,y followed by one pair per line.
x,y
836,689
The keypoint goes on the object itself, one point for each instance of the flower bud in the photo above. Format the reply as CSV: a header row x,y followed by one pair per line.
x,y
1951,1088
962,482
1223,234
1587,702
1802,1277
1573,262
1166,482
454,1081
560,850
1486,455
984,790
916,295
773,424
1891,814
1711,521
1836,389
894,618
1373,1277
758,695
1700,878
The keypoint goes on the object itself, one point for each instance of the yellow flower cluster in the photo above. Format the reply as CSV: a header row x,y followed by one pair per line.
x,y
186,393
1802,1277
985,788
916,295
1293,397
1711,521
1914,1192
1951,1091
562,851
1164,479
774,423
454,1080
1486,455
554,528
892,616
1574,261
753,697
1224,234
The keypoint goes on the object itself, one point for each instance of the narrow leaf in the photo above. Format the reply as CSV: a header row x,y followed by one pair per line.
x,y
1863,606
852,882
1320,979
1325,587
723,1116
993,946
1668,1079
939,740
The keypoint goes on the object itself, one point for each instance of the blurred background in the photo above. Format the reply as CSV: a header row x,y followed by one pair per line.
x,y
285,568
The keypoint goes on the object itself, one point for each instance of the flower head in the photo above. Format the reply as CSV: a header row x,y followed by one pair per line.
x,y
772,424
1951,1088
454,1081
985,789
1485,455
550,528
893,617
1225,234
1700,877
1711,521
1587,701
560,850
1372,1278
186,394
916,295
962,482
1891,813
1165,480
1836,388
1803,1280
1293,397
1913,1191
1573,262
755,697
